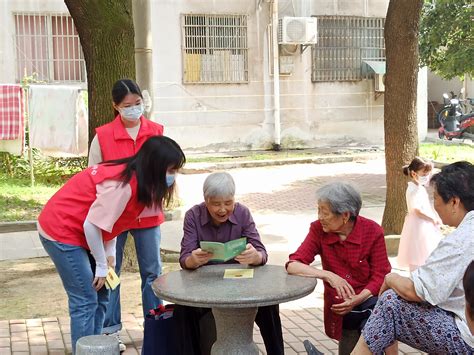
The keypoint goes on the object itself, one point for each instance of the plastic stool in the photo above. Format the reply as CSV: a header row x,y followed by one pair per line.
x,y
97,344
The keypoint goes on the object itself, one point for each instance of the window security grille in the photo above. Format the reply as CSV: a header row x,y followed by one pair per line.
x,y
48,45
343,44
215,49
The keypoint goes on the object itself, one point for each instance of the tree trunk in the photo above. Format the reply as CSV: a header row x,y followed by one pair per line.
x,y
105,29
106,32
400,119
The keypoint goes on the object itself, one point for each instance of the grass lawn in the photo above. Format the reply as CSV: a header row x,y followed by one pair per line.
x,y
447,153
20,202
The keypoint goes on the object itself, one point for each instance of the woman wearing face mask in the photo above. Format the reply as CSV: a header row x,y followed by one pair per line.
x,y
118,139
420,234
79,224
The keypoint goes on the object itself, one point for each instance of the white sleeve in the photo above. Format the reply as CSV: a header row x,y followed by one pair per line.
x,y
95,154
441,274
110,248
96,245
413,198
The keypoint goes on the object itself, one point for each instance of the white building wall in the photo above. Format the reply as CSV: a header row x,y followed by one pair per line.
x,y
437,86
215,116
240,116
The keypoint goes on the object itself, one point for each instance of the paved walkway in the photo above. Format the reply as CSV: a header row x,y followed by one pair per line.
x,y
282,201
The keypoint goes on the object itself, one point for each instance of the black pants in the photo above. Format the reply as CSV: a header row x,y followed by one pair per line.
x,y
196,331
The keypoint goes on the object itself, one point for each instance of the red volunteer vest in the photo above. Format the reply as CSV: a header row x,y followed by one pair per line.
x,y
63,216
116,143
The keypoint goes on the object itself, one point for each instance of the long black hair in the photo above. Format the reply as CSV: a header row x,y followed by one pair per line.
x,y
122,88
456,180
149,165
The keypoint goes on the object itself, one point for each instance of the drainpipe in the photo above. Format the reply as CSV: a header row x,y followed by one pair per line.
x,y
141,10
276,77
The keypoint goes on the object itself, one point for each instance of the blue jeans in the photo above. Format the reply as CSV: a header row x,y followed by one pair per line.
x,y
147,246
87,306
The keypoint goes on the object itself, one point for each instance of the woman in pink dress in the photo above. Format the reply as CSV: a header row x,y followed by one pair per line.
x,y
420,233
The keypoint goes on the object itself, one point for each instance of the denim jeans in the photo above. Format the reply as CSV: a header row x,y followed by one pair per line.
x,y
87,306
147,246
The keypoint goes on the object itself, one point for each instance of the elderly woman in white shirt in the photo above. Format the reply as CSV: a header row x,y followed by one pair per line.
x,y
427,310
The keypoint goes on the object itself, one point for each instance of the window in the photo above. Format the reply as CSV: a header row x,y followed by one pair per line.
x,y
49,46
215,49
343,44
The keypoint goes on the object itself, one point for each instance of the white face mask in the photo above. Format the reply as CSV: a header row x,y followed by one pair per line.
x,y
132,113
423,180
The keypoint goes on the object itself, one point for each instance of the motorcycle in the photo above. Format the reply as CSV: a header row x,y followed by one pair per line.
x,y
454,121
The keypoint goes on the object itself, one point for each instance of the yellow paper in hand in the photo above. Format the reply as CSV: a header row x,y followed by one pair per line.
x,y
238,274
111,280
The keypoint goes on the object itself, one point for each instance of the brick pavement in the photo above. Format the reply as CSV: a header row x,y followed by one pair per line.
x,y
300,195
52,335
290,191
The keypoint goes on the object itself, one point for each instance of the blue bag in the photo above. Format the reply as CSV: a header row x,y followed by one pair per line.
x,y
159,336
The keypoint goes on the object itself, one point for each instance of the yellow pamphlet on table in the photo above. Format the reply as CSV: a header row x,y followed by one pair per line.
x,y
238,274
111,280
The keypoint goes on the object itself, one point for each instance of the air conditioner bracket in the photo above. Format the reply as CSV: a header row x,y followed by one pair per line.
x,y
303,47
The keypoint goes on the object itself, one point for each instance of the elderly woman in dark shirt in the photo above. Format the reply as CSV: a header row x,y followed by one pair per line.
x,y
220,219
354,262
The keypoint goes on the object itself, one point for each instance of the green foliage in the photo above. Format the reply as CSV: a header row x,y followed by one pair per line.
x,y
446,37
46,170
27,80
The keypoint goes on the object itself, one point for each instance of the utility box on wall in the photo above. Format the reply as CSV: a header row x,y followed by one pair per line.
x,y
379,82
286,65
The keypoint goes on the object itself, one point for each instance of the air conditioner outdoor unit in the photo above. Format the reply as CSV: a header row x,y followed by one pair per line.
x,y
379,82
297,30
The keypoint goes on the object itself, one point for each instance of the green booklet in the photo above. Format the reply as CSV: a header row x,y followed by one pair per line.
x,y
225,251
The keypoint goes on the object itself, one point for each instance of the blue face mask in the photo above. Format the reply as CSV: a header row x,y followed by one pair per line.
x,y
170,178
132,113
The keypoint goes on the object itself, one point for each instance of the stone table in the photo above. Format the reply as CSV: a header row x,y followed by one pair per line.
x,y
234,302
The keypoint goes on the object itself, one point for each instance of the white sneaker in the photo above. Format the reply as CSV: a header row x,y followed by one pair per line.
x,y
122,346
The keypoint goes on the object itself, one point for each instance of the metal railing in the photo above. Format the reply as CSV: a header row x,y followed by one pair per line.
x,y
343,44
215,49
48,46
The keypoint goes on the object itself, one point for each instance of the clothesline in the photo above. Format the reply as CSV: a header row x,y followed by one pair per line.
x,y
55,116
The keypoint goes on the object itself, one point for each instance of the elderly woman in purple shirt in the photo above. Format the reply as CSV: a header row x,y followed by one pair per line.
x,y
220,219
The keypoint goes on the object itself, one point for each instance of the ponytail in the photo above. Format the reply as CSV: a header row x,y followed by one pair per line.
x,y
405,170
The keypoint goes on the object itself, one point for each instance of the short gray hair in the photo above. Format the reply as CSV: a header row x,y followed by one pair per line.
x,y
220,184
342,197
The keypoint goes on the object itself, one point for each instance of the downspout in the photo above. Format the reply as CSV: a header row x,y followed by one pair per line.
x,y
141,10
276,78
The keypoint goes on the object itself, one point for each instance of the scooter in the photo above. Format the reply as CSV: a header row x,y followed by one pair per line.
x,y
453,123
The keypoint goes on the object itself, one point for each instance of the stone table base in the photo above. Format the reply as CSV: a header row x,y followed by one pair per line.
x,y
234,331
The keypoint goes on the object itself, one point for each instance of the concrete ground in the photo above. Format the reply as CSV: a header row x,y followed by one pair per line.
x,y
282,201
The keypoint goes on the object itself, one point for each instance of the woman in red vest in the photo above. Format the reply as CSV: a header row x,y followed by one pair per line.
x,y
78,225
122,138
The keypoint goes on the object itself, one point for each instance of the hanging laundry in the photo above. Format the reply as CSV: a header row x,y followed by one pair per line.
x,y
13,146
58,120
12,131
11,112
